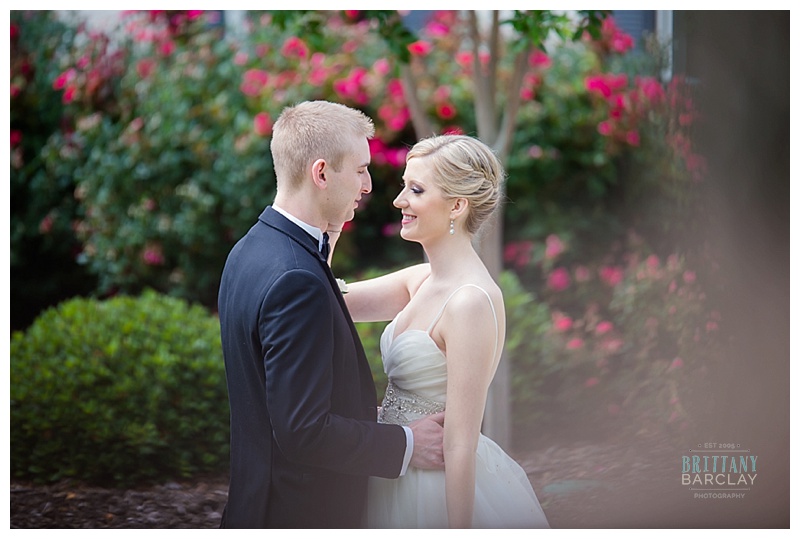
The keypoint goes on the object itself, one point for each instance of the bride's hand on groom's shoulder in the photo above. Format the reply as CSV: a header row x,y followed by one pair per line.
x,y
428,437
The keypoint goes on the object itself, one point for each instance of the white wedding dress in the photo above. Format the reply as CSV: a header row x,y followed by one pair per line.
x,y
504,498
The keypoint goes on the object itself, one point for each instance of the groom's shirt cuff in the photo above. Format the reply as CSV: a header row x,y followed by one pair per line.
x,y
409,449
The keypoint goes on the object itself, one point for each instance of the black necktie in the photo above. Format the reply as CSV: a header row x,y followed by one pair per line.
x,y
325,250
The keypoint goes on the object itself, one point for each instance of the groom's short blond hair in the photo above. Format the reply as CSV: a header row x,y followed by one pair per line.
x,y
314,130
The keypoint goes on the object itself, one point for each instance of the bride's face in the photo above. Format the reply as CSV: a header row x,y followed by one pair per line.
x,y
425,209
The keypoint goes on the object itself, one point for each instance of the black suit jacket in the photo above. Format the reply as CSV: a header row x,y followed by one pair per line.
x,y
304,436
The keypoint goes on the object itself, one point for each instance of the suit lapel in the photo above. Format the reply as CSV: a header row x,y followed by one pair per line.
x,y
272,218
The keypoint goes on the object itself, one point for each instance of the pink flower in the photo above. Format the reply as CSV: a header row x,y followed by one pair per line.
x,y
452,130
653,262
446,111
262,124
420,48
518,253
621,42
603,327
554,247
711,326
15,90
395,89
437,28
296,47
582,274
240,59
614,409
167,48
539,59
391,229
63,79
575,344
559,279
598,85
193,14
677,363
535,151
464,59
145,67
604,128
611,345
591,382
14,31
381,67
651,89
561,322
632,137
689,276
16,137
47,224
153,256
253,82
612,276
69,94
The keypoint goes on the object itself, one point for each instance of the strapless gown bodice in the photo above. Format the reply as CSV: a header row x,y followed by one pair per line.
x,y
417,372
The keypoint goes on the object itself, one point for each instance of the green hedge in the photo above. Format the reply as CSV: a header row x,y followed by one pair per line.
x,y
118,391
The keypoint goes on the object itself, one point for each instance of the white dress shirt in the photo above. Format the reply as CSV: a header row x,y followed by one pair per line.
x,y
317,233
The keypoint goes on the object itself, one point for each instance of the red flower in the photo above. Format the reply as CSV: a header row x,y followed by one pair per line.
x,y
420,48
193,14
446,111
16,137
262,124
575,344
14,31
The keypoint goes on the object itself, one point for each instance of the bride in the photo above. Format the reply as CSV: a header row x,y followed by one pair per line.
x,y
443,345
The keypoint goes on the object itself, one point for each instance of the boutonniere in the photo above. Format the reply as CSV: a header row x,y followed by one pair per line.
x,y
342,286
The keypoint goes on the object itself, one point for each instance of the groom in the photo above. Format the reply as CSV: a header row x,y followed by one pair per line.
x,y
304,436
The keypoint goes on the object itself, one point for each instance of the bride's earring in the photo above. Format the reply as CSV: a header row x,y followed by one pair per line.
x,y
452,227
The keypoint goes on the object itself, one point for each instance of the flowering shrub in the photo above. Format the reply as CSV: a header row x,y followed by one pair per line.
x,y
625,332
175,172
43,210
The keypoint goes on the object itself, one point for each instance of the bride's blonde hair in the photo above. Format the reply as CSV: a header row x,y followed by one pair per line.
x,y
464,167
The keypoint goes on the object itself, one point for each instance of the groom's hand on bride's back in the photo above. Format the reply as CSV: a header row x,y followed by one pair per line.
x,y
428,439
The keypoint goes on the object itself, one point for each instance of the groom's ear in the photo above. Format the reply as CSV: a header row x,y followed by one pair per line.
x,y
459,208
318,169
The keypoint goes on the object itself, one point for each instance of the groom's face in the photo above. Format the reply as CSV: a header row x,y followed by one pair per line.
x,y
350,182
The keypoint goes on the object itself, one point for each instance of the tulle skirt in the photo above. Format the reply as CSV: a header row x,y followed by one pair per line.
x,y
504,497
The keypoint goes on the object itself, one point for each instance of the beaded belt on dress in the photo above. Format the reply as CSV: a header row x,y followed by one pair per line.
x,y
401,407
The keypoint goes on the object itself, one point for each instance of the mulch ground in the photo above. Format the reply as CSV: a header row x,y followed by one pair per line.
x,y
606,483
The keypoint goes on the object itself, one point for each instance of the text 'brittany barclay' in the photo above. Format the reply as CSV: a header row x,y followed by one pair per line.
x,y
718,470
